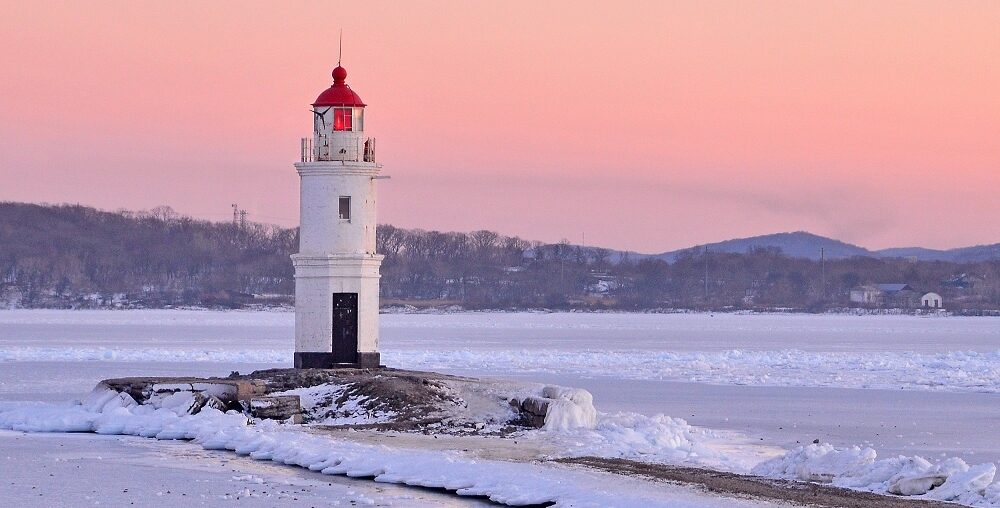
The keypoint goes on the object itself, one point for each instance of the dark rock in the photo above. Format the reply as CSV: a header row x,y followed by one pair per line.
x,y
275,407
532,410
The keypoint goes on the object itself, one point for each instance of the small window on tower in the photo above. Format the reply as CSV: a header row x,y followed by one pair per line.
x,y
345,208
343,119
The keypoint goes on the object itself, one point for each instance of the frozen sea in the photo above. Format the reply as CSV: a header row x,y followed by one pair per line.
x,y
908,385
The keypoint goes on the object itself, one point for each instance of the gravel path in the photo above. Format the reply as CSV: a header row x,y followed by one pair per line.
x,y
731,484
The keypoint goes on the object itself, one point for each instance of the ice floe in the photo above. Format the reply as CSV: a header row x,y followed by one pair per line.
x,y
954,371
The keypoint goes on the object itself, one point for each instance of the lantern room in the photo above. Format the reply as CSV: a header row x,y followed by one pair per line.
x,y
338,125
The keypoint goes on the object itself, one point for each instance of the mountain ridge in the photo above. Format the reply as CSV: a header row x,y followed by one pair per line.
x,y
803,244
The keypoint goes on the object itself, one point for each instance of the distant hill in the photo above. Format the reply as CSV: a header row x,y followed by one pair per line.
x,y
960,255
914,252
799,244
57,255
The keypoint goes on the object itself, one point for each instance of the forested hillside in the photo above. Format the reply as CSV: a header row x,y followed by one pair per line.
x,y
75,256
59,253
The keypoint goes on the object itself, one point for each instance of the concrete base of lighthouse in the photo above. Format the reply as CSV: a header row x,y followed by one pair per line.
x,y
336,310
365,360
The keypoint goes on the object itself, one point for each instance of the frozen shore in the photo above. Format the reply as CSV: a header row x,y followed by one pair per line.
x,y
866,352
484,419
195,410
953,371
54,355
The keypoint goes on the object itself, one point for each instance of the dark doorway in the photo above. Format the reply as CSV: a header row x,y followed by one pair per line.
x,y
345,327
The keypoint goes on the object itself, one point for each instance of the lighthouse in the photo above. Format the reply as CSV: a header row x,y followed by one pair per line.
x,y
337,268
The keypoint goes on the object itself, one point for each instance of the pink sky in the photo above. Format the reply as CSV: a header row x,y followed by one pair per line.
x,y
649,126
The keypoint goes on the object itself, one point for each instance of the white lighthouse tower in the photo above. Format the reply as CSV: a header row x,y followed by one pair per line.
x,y
337,269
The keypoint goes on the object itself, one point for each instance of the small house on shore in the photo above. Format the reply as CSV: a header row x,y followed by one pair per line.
x,y
897,295
866,295
931,301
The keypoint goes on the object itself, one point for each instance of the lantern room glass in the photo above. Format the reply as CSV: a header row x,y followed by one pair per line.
x,y
343,119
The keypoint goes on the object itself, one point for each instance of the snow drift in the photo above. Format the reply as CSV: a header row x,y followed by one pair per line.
x,y
569,408
857,468
658,438
107,412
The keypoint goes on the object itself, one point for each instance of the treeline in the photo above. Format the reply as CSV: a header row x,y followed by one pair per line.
x,y
764,278
485,270
75,256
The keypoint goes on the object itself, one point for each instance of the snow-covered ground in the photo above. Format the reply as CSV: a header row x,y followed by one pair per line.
x,y
107,412
74,470
899,384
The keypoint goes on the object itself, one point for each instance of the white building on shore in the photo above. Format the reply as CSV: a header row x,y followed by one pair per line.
x,y
337,268
931,301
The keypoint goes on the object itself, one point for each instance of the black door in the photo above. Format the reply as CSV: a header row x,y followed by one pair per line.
x,y
345,327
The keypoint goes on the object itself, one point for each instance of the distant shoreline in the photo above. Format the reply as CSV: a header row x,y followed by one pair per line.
x,y
456,309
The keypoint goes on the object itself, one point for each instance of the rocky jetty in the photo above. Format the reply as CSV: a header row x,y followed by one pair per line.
x,y
377,399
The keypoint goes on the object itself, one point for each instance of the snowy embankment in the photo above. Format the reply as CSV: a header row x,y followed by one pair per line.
x,y
575,428
956,371
857,468
513,483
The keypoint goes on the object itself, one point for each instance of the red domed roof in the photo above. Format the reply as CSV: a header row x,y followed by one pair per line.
x,y
339,94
